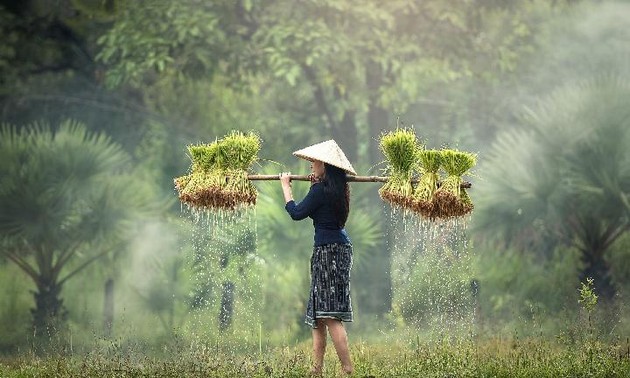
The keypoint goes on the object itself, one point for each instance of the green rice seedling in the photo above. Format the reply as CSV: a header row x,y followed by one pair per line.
x,y
423,194
400,148
203,156
238,151
450,199
218,174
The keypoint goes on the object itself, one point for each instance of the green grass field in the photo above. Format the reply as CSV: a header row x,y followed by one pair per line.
x,y
489,358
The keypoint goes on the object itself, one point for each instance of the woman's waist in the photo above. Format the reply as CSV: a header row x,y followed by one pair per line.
x,y
330,236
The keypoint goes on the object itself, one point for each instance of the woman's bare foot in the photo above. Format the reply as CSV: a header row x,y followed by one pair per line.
x,y
315,372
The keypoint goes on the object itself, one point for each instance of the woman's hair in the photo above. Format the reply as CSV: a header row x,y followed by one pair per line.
x,y
337,188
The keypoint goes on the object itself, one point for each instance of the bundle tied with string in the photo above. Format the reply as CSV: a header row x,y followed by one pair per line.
x,y
400,148
451,200
423,194
218,174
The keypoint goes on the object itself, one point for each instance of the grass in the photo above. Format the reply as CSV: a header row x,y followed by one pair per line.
x,y
489,358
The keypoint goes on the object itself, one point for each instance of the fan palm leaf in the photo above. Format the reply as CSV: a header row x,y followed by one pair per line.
x,y
66,197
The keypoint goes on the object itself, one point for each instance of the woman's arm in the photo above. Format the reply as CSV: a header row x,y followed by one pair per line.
x,y
307,206
285,180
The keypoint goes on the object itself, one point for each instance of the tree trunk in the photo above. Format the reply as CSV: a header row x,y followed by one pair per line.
x,y
346,134
377,116
49,313
377,123
108,308
227,306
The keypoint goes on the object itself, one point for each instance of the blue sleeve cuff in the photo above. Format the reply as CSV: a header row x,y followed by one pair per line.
x,y
289,205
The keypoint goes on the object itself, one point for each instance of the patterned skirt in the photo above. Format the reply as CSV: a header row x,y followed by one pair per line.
x,y
330,284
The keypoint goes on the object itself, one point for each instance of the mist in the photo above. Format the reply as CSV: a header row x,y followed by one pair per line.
x,y
99,102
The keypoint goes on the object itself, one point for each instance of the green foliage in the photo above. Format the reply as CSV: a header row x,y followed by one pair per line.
x,y
450,199
463,358
406,157
43,38
588,298
430,163
345,59
43,168
285,59
9,45
235,151
14,304
67,198
457,163
563,177
523,293
164,38
431,160
401,149
218,174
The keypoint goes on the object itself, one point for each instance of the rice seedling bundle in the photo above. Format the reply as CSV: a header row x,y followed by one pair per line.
x,y
401,149
218,174
450,199
423,194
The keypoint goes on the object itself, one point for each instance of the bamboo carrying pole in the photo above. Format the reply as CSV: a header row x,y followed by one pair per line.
x,y
351,178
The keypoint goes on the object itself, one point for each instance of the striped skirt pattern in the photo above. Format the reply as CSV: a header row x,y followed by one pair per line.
x,y
330,284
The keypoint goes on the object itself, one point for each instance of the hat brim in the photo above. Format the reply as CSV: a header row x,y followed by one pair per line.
x,y
328,152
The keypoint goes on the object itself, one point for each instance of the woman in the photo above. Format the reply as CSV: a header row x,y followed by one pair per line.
x,y
328,204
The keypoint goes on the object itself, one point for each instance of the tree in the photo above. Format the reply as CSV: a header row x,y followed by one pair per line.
x,y
48,71
328,69
45,38
563,177
359,60
67,198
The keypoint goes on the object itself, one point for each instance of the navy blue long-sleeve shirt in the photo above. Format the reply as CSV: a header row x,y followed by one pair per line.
x,y
318,207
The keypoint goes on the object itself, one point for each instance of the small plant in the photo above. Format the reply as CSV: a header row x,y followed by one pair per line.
x,y
218,174
431,161
450,199
401,149
588,298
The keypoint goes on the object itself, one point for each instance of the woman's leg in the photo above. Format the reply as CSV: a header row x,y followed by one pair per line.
x,y
340,341
319,346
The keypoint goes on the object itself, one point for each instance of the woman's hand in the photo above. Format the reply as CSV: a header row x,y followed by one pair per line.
x,y
285,180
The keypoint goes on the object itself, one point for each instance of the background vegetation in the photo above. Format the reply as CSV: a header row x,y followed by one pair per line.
x,y
99,99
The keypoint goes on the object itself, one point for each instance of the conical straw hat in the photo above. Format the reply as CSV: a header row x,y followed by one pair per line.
x,y
328,152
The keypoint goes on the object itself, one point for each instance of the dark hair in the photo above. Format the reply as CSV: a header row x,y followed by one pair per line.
x,y
337,188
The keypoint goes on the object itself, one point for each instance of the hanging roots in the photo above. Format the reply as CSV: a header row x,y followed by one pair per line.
x,y
396,199
202,191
